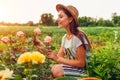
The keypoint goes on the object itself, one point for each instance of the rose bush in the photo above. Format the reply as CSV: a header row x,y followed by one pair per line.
x,y
19,55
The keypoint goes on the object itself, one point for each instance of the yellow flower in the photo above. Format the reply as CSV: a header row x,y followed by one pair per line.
x,y
25,57
4,74
37,57
26,71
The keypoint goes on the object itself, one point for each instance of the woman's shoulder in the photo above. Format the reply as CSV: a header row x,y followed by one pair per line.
x,y
75,38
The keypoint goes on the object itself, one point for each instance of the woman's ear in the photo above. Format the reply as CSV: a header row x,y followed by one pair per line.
x,y
70,19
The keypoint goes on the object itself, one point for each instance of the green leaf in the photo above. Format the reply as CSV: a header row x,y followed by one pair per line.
x,y
65,78
18,77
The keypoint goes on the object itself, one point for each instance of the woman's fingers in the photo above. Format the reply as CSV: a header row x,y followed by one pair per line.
x,y
35,41
48,52
52,55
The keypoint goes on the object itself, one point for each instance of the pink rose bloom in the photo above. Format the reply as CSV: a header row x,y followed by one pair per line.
x,y
5,39
20,34
47,39
37,31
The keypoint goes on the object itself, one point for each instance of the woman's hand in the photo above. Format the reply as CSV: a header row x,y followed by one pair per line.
x,y
39,44
52,55
36,41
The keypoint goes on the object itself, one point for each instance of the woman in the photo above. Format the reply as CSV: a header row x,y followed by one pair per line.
x,y
74,48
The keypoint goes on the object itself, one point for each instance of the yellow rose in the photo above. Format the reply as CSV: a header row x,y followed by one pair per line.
x,y
25,57
37,57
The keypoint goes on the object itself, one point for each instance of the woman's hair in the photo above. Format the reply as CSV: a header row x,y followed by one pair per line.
x,y
74,30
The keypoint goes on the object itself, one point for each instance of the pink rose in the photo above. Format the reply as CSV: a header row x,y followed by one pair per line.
x,y
20,34
5,39
47,39
37,31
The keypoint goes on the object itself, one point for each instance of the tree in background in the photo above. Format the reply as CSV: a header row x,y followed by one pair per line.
x,y
100,22
47,19
30,23
108,23
87,21
116,19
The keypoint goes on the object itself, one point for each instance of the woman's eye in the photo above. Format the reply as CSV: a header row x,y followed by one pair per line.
x,y
60,16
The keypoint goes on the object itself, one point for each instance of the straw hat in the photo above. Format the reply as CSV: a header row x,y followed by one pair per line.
x,y
71,9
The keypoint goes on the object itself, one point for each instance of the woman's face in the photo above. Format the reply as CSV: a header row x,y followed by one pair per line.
x,y
63,20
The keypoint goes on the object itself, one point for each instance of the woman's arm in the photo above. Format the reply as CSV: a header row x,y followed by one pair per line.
x,y
79,62
61,52
53,55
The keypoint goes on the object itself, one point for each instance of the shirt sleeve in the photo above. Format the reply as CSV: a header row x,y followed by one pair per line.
x,y
77,42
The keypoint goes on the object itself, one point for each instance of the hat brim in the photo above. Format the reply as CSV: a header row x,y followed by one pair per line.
x,y
60,6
